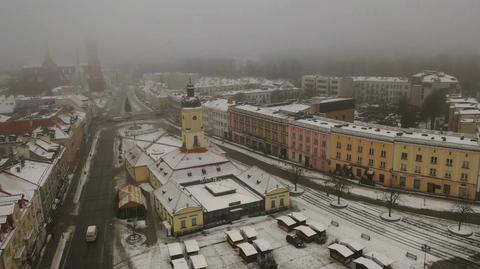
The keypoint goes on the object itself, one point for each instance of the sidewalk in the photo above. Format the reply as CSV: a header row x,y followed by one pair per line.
x,y
412,200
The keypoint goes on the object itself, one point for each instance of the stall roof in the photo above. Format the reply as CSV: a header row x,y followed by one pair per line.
x,y
174,249
354,245
191,246
249,232
369,264
198,261
380,258
180,264
234,235
287,220
343,250
307,231
262,245
316,226
299,217
247,249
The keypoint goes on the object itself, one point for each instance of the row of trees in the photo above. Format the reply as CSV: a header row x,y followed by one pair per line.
x,y
391,197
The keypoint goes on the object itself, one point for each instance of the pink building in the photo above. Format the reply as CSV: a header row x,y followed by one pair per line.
x,y
308,142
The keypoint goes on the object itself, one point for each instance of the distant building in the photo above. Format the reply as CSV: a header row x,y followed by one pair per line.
x,y
463,115
215,114
334,108
318,85
264,128
380,90
428,81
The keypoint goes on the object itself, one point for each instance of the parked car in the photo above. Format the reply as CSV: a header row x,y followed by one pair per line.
x,y
92,233
295,241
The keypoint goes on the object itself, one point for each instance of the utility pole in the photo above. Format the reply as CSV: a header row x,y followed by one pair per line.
x,y
425,248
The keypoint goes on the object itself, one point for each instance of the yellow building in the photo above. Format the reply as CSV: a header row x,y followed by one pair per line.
x,y
136,164
192,123
178,209
275,195
362,152
442,164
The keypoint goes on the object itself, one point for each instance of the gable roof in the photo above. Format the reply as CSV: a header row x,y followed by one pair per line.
x,y
173,198
260,181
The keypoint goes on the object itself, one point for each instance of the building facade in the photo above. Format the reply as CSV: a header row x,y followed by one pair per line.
x,y
215,115
264,128
380,90
428,81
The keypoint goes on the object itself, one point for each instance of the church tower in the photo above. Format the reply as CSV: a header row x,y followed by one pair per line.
x,y
192,122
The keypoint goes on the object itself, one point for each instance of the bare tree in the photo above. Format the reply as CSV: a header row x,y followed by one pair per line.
x,y
463,208
296,173
339,186
391,197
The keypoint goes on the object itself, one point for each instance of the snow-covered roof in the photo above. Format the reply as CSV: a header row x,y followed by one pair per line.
x,y
367,263
429,76
307,231
260,181
287,220
173,198
48,146
210,201
7,104
39,151
249,232
174,249
317,123
7,209
234,235
16,185
379,79
247,249
191,246
380,258
198,261
341,249
218,104
281,112
180,160
180,264
366,131
298,217
137,157
316,226
130,194
262,245
352,244
34,172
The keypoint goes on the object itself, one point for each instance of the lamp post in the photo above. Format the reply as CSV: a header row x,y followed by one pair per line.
x,y
425,249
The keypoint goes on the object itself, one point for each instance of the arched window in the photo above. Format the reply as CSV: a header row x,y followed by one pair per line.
x,y
194,117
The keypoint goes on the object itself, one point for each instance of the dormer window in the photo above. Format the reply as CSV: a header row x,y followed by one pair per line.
x,y
189,174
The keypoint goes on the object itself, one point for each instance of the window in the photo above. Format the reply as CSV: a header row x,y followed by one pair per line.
x,y
446,189
403,182
315,141
381,178
465,165
433,160
416,184
293,144
404,156
418,158
315,150
307,139
449,162
382,164
403,167
433,171
370,162
300,137
339,145
324,143
349,157
359,172
282,203
183,224
349,147
359,160
194,117
448,174
464,177
360,149
194,221
338,155
383,154
418,169
371,151
462,191
273,203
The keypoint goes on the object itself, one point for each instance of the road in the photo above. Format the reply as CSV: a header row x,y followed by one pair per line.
x,y
96,204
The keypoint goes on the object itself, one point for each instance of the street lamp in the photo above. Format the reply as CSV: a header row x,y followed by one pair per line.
x,y
425,249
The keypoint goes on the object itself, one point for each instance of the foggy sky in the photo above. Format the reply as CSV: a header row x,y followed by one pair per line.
x,y
157,29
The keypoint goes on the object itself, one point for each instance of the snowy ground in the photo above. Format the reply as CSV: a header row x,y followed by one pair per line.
x,y
409,200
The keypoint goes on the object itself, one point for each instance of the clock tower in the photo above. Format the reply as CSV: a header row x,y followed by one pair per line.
x,y
193,137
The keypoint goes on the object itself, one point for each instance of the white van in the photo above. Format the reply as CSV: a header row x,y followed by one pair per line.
x,y
92,233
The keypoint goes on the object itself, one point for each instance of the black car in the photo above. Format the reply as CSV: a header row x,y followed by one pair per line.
x,y
295,241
